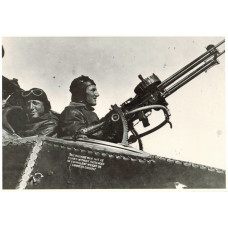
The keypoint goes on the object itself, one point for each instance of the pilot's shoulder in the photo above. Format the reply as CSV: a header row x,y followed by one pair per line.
x,y
73,109
53,116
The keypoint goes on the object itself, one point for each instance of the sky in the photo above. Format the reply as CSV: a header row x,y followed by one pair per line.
x,y
114,63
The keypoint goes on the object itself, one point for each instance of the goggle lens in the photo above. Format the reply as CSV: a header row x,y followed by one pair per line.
x,y
36,92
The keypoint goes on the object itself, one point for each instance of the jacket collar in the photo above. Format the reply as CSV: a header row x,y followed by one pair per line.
x,y
79,105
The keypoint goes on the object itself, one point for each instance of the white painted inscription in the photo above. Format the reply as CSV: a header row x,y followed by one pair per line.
x,y
85,162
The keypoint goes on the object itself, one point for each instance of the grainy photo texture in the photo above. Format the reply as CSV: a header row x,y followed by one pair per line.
x,y
113,112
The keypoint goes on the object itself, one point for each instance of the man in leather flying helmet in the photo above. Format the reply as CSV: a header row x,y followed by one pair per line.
x,y
80,112
40,119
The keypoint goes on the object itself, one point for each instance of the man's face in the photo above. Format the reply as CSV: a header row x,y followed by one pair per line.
x,y
35,108
91,95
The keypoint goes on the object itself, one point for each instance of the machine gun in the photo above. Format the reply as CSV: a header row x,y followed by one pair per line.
x,y
151,94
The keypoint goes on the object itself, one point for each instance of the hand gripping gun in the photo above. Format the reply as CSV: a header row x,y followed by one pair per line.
x,y
151,94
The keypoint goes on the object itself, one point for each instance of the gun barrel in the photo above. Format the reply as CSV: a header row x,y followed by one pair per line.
x,y
205,56
189,77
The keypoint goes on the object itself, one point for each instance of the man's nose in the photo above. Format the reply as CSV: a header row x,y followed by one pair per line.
x,y
97,94
31,106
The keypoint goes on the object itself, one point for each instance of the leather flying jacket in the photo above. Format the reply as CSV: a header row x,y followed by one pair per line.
x,y
75,117
46,124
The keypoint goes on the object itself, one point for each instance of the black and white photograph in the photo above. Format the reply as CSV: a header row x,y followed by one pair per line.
x,y
113,112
